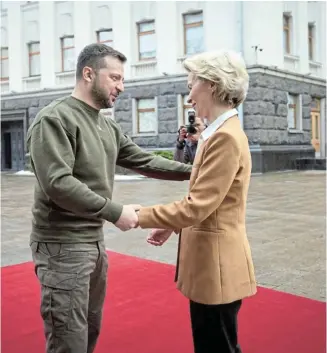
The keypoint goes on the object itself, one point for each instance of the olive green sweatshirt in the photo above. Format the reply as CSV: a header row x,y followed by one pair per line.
x,y
73,153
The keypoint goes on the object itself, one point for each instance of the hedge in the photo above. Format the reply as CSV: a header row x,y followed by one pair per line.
x,y
165,154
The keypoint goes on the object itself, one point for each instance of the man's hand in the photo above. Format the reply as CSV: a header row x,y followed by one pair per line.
x,y
157,237
129,218
182,133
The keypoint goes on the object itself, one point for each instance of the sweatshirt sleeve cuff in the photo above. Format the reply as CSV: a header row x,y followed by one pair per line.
x,y
111,211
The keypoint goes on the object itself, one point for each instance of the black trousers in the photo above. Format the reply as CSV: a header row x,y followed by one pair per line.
x,y
214,327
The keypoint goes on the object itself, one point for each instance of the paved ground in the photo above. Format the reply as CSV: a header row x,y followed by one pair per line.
x,y
286,226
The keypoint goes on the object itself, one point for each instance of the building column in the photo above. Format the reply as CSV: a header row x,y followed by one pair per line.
x,y
224,13
321,38
82,26
47,43
301,32
15,46
166,45
123,35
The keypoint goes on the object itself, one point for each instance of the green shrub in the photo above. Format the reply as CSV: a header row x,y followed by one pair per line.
x,y
165,154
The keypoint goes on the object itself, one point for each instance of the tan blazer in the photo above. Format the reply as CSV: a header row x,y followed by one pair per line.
x,y
214,263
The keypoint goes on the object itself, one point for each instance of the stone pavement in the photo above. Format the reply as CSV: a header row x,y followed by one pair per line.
x,y
286,222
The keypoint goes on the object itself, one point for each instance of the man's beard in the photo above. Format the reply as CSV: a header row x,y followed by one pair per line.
x,y
100,97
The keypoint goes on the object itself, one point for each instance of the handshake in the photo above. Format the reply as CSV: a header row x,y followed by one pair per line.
x,y
129,220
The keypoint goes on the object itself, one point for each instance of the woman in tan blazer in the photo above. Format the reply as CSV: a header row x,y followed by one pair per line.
x,y
214,264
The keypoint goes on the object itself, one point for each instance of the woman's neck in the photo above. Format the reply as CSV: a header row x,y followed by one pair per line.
x,y
216,111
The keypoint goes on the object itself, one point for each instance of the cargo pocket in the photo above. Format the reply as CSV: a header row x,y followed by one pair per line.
x,y
56,298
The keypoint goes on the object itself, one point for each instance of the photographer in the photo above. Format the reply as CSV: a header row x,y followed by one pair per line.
x,y
187,140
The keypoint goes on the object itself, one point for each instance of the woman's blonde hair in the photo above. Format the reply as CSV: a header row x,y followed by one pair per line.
x,y
226,69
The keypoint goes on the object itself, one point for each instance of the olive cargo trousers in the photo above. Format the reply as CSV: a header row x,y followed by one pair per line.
x,y
73,280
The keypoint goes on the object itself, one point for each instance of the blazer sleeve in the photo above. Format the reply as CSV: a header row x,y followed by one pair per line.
x,y
216,174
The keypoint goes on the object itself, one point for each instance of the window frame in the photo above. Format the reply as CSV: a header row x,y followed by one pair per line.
x,y
287,29
315,115
104,41
289,105
144,33
297,116
30,54
136,115
317,107
3,58
62,40
143,110
190,25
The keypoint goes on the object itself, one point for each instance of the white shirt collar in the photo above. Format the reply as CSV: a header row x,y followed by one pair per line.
x,y
215,125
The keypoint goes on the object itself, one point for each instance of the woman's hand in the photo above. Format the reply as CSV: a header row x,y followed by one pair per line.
x,y
158,237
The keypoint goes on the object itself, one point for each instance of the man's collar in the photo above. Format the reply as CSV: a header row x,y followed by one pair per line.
x,y
215,125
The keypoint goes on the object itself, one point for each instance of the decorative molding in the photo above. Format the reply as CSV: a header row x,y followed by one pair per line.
x,y
252,69
68,89
292,57
15,113
30,6
272,71
315,63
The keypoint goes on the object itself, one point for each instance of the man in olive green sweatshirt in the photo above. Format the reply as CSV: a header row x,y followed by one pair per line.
x,y
74,151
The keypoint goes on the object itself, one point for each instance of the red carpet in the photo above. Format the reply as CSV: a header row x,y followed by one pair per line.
x,y
144,313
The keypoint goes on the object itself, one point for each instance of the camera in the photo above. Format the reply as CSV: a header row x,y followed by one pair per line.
x,y
191,120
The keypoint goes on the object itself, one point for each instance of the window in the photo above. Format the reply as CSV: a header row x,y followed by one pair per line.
x,y
311,41
4,64
193,33
315,105
67,54
186,108
294,115
147,41
287,33
146,116
105,36
315,117
34,59
315,122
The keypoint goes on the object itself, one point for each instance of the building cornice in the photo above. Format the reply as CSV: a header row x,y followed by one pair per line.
x,y
67,90
30,5
275,72
255,69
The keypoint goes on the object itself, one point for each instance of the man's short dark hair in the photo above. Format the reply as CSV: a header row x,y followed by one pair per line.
x,y
92,55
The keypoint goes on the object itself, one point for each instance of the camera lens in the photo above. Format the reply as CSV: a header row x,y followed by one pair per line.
x,y
191,129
